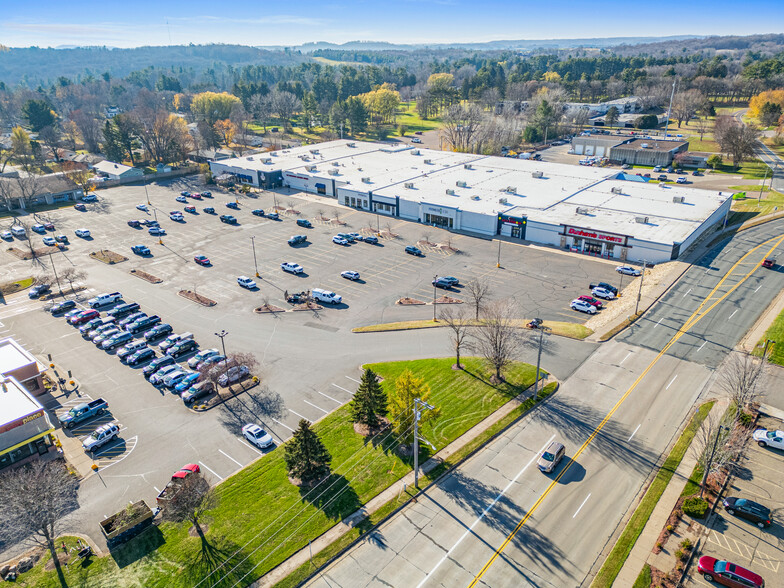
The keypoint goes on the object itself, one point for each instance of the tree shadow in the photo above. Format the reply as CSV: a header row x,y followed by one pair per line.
x,y
507,388
225,560
338,502
140,546
252,406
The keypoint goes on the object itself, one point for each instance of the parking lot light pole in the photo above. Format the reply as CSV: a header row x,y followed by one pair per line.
x,y
417,404
222,336
51,259
253,242
542,330
639,292
498,263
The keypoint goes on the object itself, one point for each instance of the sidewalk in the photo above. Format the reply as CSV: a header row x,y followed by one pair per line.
x,y
642,552
393,492
757,332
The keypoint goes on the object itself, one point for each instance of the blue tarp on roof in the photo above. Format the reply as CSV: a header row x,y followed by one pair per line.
x,y
630,177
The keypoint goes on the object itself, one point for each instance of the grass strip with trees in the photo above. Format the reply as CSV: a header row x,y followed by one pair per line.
x,y
564,329
775,333
623,547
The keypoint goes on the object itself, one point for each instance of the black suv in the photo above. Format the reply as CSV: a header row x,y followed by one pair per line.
x,y
411,250
157,364
39,290
746,509
606,286
182,348
123,309
228,219
297,239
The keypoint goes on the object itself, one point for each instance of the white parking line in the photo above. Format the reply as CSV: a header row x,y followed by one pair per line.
x,y
625,358
733,313
242,440
685,293
344,390
284,426
156,489
209,470
758,287
635,431
330,397
353,380
582,505
299,415
703,345
671,381
231,458
314,406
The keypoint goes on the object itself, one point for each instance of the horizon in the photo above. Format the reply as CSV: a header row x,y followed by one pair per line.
x,y
89,23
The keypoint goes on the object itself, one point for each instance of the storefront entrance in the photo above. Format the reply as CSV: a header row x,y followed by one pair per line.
x,y
592,247
591,242
444,222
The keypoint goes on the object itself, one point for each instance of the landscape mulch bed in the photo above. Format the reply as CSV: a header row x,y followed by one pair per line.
x,y
27,254
197,298
266,308
426,243
107,256
307,306
447,247
145,276
406,301
448,300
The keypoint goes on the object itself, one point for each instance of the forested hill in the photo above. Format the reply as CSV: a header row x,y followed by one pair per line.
x,y
34,65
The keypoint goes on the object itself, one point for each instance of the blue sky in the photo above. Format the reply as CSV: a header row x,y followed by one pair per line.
x,y
48,23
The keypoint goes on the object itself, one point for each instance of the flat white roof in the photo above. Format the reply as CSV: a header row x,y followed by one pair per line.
x,y
286,159
15,401
13,356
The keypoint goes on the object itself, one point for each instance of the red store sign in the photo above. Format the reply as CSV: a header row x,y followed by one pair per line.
x,y
21,421
588,234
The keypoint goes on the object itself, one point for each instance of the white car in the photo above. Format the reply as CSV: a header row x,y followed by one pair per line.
x,y
157,378
49,241
246,282
194,361
628,270
339,240
257,436
765,438
84,233
604,293
582,306
680,180
101,436
156,231
293,268
181,198
89,198
176,216
416,140
350,275
141,207
7,235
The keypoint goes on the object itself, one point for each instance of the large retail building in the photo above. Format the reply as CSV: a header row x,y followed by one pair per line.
x,y
592,210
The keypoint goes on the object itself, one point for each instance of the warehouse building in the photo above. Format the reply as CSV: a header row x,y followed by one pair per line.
x,y
590,210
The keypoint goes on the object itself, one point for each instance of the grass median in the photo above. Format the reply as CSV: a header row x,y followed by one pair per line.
x,y
775,333
564,329
261,518
623,547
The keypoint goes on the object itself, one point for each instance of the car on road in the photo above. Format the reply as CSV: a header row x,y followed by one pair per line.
x,y
140,356
140,249
417,132
582,306
591,300
339,240
371,239
628,270
198,390
134,224
209,210
233,375
116,340
142,207
39,290
158,331
246,282
156,379
80,207
416,140
273,216
550,457
304,223
201,259
131,348
290,267
350,275
769,263
83,233
765,438
680,180
257,212
194,361
728,574
747,509
84,316
49,241
157,364
228,219
600,292
156,231
233,205
297,240
63,306
442,283
181,198
257,436
411,250
101,436
182,348
38,228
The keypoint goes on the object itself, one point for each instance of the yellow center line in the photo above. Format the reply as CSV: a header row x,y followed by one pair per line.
x,y
695,317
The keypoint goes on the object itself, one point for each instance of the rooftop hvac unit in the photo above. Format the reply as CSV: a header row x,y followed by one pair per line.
x,y
678,199
336,163
502,201
645,146
467,166
461,184
275,153
474,197
266,160
537,174
333,172
643,220
428,161
310,168
250,158
314,151
617,190
409,185
511,189
581,210
365,180
352,144
450,192
415,152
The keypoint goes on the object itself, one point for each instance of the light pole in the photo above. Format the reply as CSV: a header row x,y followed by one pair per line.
x,y
417,403
146,193
222,336
620,286
498,263
51,259
639,292
434,298
253,242
542,330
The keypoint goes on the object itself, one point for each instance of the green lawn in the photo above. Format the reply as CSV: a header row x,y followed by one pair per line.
x,y
614,562
564,329
750,207
707,144
408,116
749,170
265,518
776,334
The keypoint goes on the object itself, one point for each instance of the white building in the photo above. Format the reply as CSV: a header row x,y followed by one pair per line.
x,y
117,171
585,209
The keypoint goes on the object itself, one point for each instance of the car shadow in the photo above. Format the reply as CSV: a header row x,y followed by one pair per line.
x,y
574,473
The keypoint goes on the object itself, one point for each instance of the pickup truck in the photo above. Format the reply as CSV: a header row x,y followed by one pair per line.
x,y
104,299
127,523
82,412
176,482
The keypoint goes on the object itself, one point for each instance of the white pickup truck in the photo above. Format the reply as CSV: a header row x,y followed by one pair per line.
x,y
104,299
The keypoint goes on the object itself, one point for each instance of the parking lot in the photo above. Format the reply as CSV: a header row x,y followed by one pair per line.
x,y
740,541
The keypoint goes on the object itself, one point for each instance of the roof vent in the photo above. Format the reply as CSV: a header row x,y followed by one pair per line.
x,y
511,189
581,210
336,163
643,220
460,184
266,160
428,161
503,201
450,192
467,166
537,174
415,152
365,180
409,185
617,190
250,158
314,151
475,198
310,168
333,172
352,144
645,146
678,199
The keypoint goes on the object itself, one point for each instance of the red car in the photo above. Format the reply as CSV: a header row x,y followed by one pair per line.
x,y
186,470
190,209
769,262
49,226
80,207
195,195
84,316
728,574
590,300
202,259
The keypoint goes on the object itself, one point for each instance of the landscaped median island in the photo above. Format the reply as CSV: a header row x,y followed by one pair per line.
x,y
262,518
564,329
107,256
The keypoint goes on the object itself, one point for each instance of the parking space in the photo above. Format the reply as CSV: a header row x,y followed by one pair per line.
x,y
761,550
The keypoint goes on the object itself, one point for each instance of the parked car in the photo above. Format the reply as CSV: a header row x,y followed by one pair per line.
x,y
63,306
38,228
297,240
132,318
582,306
233,375
550,457
233,205
228,219
158,331
194,361
129,349
273,216
728,574
442,283
123,309
416,140
606,286
185,193
39,290
411,250
157,364
171,340
61,238
84,316
195,195
680,180
101,329
174,378
451,279
182,348
49,226
765,438
327,296
350,275
181,198
201,259
90,325
49,241
7,235
80,207
135,224
198,390
176,215
116,340
290,267
599,292
141,356
206,194
257,212
628,270
156,231
747,509
246,282
371,239
190,208
347,236
186,382
339,240
143,324
141,207
304,223
71,313
209,210
83,233
257,436
210,360
156,379
100,437
141,249
591,300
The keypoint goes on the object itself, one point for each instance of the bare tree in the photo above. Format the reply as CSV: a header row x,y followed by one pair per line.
x,y
477,291
462,127
73,275
239,359
741,377
717,443
37,497
686,104
285,104
735,138
261,108
702,126
497,337
458,325
90,128
191,500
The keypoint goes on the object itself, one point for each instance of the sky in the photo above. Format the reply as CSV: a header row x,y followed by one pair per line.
x,y
49,23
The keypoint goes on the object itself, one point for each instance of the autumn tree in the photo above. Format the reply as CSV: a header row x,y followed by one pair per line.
x,y
213,106
369,404
225,129
408,387
306,457
686,104
164,135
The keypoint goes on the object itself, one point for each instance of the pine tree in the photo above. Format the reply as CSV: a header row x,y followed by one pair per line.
x,y
305,455
370,401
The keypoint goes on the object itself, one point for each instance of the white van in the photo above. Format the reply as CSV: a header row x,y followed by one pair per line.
x,y
326,296
18,231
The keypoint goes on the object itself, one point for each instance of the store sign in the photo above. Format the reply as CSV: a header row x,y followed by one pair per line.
x,y
22,421
587,234
296,177
438,210
510,220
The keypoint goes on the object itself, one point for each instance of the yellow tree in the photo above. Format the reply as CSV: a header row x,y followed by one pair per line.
x,y
213,106
226,130
401,405
551,76
757,102
382,104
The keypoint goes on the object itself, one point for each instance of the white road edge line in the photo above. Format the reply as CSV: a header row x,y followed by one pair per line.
x,y
733,314
284,426
353,380
625,358
485,511
330,397
231,458
299,415
314,406
209,470
582,505
344,390
632,435
671,381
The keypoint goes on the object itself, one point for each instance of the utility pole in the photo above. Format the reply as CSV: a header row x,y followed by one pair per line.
x,y
542,330
51,259
253,242
498,263
639,292
620,286
763,185
417,403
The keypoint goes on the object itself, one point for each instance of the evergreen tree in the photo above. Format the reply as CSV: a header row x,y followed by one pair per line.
x,y
112,147
370,401
305,455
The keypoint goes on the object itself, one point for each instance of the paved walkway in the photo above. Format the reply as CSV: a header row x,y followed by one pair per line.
x,y
393,492
642,552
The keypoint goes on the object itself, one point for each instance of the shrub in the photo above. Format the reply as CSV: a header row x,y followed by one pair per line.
x,y
715,160
647,121
669,528
695,507
745,418
686,544
679,554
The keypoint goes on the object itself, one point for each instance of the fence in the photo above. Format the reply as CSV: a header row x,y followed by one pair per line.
x,y
183,171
